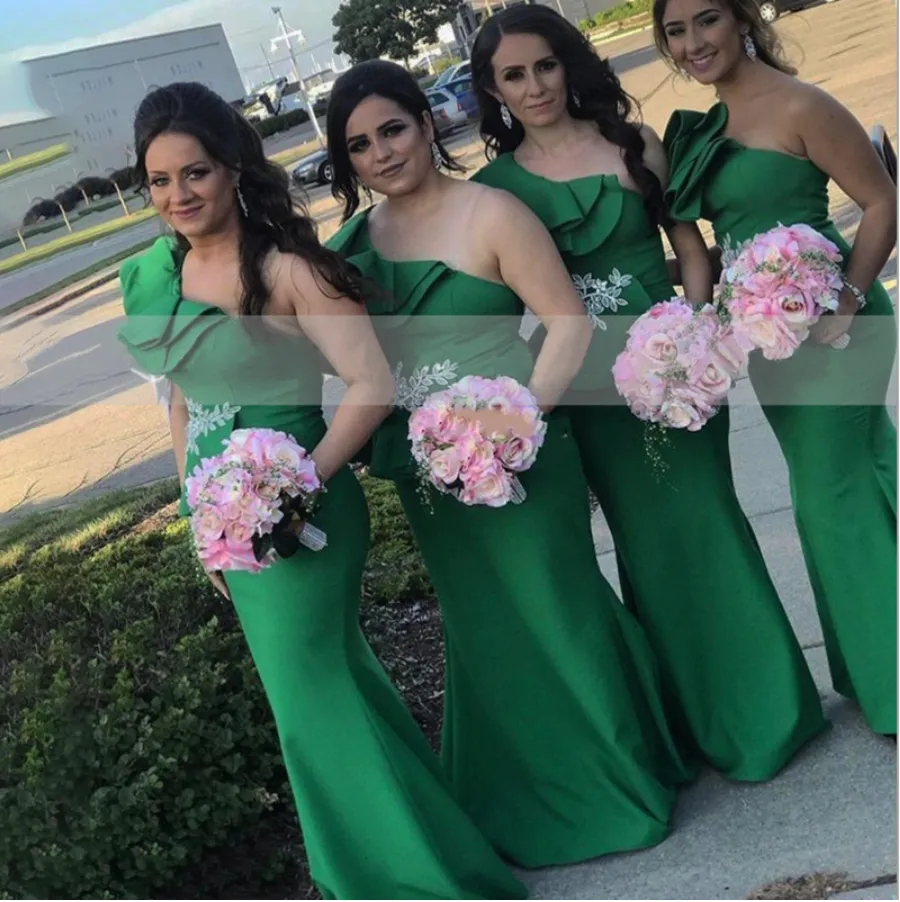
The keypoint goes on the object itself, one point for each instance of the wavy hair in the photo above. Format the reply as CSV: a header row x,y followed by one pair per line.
x,y
274,218
603,100
768,45
374,78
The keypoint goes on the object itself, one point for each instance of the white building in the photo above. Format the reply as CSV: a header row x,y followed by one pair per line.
x,y
90,97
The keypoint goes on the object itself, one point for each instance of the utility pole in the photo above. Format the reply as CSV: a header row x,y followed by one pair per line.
x,y
266,57
286,38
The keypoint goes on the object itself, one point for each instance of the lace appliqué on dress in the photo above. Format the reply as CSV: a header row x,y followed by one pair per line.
x,y
601,296
203,419
411,392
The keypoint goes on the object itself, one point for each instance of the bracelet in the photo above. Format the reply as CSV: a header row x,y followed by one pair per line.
x,y
860,297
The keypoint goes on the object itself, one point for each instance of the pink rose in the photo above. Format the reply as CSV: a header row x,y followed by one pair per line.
x,y
769,335
518,453
207,524
489,485
679,414
712,379
661,348
445,465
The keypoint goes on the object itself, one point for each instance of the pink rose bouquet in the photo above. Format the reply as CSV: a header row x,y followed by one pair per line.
x,y
246,501
777,285
678,365
471,439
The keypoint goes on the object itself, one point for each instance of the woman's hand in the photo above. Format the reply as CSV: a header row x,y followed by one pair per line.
x,y
218,581
833,325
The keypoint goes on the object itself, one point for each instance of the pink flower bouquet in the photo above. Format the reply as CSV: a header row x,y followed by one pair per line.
x,y
246,501
678,365
471,439
777,285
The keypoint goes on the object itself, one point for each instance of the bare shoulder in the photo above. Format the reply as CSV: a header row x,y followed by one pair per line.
x,y
495,206
298,286
809,104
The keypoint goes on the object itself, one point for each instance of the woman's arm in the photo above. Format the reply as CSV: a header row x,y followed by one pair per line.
x,y
692,268
342,331
178,420
837,143
529,263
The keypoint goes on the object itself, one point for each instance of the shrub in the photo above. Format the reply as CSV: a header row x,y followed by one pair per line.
x,y
282,123
619,12
137,752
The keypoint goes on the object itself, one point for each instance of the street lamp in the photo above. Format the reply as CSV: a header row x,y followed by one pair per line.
x,y
286,38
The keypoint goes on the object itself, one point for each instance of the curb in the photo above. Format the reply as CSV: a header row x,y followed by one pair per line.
x,y
71,295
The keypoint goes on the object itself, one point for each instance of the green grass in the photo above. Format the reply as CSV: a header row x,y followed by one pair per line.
x,y
33,160
292,154
75,239
84,527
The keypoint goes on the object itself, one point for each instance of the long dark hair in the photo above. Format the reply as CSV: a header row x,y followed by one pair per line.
x,y
374,78
768,46
602,98
274,218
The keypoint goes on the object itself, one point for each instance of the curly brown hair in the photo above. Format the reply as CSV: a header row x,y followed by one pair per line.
x,y
768,45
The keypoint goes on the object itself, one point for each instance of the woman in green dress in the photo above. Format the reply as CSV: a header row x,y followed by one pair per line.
x,y
554,735
761,156
234,312
557,122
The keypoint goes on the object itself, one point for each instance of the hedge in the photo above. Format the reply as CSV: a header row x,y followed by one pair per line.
x,y
618,13
138,757
275,124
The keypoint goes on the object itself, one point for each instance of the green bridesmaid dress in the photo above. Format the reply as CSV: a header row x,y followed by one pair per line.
x,y
554,736
826,407
738,690
378,817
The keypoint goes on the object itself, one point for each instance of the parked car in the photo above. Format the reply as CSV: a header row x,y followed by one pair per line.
x,y
464,91
314,169
448,111
770,10
453,72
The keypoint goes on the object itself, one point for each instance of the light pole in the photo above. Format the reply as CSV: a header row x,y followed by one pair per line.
x,y
286,37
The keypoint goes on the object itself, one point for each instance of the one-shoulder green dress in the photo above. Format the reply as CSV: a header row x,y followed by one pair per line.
x,y
738,689
826,407
378,817
554,733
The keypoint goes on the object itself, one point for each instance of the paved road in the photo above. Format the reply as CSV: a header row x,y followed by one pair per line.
x,y
41,275
74,421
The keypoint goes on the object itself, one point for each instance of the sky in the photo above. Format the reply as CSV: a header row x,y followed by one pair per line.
x,y
40,27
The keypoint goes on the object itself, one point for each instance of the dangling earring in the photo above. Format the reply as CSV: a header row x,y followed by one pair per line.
x,y
749,47
242,202
505,115
576,98
436,156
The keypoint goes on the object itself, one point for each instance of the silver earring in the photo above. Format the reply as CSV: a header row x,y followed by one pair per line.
x,y
576,98
749,47
242,202
505,115
436,156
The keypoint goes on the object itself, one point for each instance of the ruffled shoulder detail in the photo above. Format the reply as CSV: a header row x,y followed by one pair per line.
x,y
161,328
694,141
398,288
580,214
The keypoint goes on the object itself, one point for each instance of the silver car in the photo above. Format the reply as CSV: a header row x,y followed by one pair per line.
x,y
449,112
314,169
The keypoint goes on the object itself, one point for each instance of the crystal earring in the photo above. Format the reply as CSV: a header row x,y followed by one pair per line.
x,y
749,47
576,98
436,156
505,115
243,203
